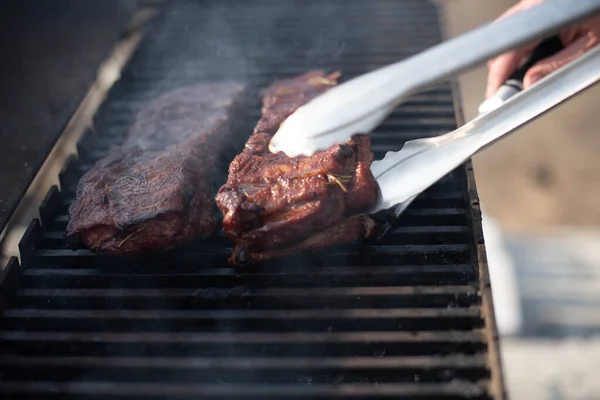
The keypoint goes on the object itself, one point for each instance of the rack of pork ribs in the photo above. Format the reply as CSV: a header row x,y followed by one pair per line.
x,y
274,205
157,190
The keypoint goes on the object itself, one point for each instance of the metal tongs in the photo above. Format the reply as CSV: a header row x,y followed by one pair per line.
x,y
360,104
403,175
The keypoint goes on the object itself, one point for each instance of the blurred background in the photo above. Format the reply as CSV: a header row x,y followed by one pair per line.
x,y
540,190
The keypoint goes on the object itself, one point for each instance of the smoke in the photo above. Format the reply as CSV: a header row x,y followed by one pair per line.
x,y
240,41
195,42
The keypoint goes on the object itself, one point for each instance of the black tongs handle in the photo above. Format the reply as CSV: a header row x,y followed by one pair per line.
x,y
514,84
547,48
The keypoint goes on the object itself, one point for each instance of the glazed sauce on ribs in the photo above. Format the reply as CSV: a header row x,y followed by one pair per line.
x,y
274,205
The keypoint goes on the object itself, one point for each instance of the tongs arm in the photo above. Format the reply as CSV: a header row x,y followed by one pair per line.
x,y
362,103
404,174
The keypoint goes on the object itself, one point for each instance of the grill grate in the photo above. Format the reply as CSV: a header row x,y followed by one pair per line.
x,y
403,317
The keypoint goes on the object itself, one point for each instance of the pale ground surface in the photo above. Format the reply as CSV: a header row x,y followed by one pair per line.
x,y
542,178
557,355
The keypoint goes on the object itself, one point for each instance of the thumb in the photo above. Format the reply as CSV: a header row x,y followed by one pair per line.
x,y
551,64
501,67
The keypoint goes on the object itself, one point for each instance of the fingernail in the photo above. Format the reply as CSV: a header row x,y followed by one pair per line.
x,y
489,91
534,78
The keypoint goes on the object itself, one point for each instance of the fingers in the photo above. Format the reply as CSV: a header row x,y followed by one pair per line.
x,y
502,67
520,6
578,40
551,64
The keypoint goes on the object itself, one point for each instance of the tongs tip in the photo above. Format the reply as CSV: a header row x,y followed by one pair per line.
x,y
285,143
289,140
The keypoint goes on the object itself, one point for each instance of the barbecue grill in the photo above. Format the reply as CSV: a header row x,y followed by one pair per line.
x,y
408,316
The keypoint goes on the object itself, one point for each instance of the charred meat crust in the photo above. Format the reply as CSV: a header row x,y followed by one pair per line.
x,y
271,202
351,229
156,191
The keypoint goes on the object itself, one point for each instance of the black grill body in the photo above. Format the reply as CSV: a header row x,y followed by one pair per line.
x,y
408,316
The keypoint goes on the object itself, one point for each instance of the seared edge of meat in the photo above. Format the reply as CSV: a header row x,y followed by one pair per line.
x,y
271,202
351,229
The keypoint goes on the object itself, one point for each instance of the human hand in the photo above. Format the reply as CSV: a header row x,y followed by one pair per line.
x,y
577,40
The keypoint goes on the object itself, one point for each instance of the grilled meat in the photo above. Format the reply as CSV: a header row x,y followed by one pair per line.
x,y
348,230
274,205
157,190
